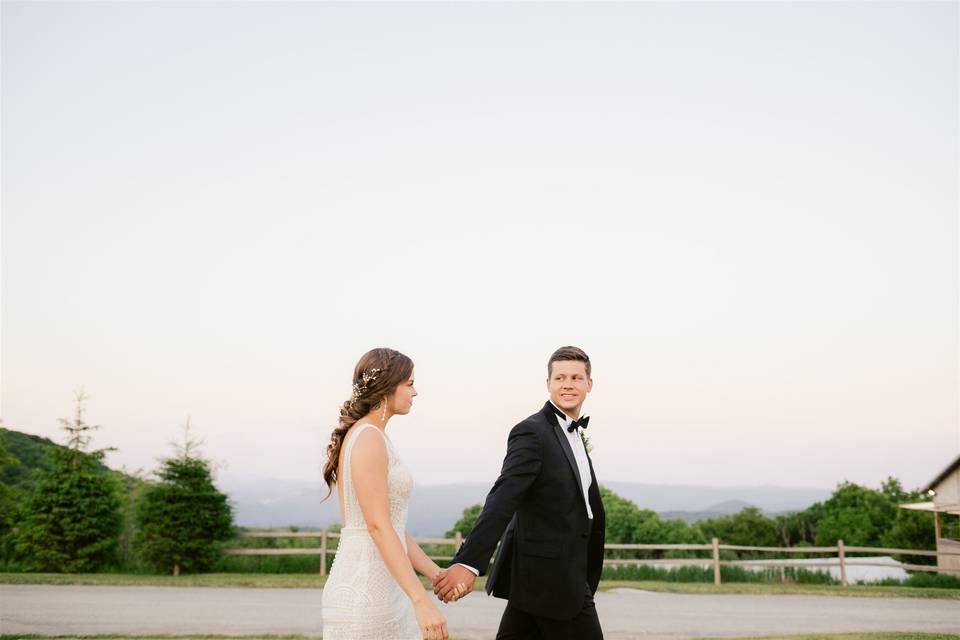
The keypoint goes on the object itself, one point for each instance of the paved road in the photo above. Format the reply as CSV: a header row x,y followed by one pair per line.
x,y
626,614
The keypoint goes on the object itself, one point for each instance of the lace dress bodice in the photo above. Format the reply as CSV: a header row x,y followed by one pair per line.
x,y
361,599
399,485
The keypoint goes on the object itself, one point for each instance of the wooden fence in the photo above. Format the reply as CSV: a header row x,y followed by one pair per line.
x,y
715,548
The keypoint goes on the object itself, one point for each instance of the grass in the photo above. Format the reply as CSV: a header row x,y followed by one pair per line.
x,y
191,637
314,581
816,636
881,635
648,573
791,575
757,588
265,581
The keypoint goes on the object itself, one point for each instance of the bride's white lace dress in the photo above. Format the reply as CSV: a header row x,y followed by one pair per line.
x,y
361,600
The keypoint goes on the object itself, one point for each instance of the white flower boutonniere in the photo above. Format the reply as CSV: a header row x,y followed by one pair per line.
x,y
586,441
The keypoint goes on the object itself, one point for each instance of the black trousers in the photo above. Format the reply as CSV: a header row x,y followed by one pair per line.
x,y
520,625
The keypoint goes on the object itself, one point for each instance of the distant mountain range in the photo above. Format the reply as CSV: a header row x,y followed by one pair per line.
x,y
268,502
271,503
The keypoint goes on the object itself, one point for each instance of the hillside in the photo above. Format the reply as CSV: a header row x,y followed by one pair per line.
x,y
32,454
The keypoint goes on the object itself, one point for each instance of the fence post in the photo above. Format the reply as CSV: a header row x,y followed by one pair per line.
x,y
716,561
323,554
457,542
841,552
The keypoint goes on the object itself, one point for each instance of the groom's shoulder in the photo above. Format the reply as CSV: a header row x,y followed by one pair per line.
x,y
536,423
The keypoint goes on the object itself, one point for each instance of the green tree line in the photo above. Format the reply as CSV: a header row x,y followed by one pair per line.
x,y
63,510
860,516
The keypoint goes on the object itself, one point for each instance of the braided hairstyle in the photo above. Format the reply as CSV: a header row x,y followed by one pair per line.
x,y
377,375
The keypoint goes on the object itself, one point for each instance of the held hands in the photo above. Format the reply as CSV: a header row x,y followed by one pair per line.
x,y
453,583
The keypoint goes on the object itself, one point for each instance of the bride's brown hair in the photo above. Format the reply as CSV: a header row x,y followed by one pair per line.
x,y
376,376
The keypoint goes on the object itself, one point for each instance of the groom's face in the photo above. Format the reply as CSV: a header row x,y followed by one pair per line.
x,y
569,384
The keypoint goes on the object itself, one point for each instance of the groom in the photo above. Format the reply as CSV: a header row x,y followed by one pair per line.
x,y
545,510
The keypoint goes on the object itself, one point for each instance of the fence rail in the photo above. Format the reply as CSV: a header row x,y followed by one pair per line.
x,y
715,548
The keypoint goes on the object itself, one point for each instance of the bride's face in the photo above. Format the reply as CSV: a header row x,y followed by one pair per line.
x,y
402,399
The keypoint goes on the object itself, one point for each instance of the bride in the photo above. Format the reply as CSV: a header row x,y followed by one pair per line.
x,y
372,592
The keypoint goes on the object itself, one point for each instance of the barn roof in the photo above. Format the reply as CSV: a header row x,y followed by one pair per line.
x,y
943,474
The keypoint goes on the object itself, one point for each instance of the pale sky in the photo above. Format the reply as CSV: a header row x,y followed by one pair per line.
x,y
746,213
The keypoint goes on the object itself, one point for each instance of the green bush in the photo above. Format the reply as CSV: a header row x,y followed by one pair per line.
x,y
275,564
923,580
705,574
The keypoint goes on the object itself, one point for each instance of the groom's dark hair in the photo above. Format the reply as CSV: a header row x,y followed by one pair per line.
x,y
568,353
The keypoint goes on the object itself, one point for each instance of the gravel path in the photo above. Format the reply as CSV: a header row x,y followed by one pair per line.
x,y
626,614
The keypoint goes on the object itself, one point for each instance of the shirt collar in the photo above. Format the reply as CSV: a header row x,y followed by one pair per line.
x,y
565,420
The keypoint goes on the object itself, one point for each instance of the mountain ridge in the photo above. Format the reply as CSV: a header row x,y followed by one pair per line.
x,y
265,502
271,503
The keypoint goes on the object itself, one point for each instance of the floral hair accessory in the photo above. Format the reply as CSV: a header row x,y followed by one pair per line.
x,y
359,388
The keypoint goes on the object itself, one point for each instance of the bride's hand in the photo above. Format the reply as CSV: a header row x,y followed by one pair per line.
x,y
431,621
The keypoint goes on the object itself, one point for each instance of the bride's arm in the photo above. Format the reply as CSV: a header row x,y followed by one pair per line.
x,y
420,561
369,475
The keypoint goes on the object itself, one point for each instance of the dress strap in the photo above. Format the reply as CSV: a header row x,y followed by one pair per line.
x,y
348,495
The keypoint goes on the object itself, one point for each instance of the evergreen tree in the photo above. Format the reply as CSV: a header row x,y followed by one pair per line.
x,y
72,518
183,519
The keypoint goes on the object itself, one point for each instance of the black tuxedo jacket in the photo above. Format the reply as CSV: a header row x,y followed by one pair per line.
x,y
550,555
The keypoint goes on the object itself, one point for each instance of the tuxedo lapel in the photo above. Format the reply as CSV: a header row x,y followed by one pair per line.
x,y
565,445
593,476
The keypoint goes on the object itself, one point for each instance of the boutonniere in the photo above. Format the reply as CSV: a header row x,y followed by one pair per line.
x,y
586,441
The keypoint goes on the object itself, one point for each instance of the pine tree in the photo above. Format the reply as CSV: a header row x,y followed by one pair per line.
x,y
72,518
183,518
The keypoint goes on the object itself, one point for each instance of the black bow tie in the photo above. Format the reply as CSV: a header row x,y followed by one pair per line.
x,y
582,422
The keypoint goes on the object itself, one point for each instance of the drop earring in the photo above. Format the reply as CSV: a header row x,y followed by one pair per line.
x,y
383,411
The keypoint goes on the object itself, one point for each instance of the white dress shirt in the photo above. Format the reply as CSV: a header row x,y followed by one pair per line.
x,y
580,455
583,466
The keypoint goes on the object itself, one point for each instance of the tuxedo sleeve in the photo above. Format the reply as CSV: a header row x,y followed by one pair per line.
x,y
521,466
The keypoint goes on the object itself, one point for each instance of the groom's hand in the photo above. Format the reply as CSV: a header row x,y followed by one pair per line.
x,y
454,583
